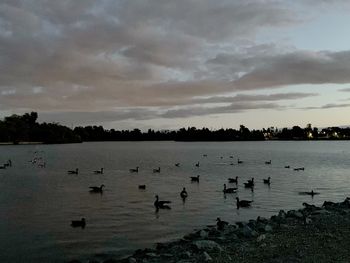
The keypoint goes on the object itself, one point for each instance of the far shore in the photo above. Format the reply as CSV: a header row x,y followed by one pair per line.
x,y
310,234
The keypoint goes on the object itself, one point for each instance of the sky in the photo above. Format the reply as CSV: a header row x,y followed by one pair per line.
x,y
165,64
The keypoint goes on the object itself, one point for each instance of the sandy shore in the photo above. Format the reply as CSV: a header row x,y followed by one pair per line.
x,y
310,234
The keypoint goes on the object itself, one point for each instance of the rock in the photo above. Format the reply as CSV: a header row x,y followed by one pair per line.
x,y
282,214
152,255
185,255
260,238
268,228
132,260
206,244
246,231
203,234
167,255
206,257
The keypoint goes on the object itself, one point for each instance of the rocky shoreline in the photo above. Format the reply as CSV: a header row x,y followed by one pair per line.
x,y
310,234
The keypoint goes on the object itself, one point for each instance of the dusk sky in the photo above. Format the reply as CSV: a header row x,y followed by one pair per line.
x,y
169,64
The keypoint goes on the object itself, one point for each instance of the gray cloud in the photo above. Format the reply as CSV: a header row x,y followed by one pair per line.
x,y
90,58
328,106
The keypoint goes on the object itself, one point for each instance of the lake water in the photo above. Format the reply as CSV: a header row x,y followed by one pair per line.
x,y
38,204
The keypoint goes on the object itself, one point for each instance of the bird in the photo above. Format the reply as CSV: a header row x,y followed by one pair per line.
x,y
96,189
195,178
156,170
161,204
205,155
73,172
233,180
229,190
197,164
142,186
287,166
134,170
268,162
184,193
242,203
231,156
79,223
221,224
99,171
312,193
267,181
239,161
299,169
3,167
177,164
249,184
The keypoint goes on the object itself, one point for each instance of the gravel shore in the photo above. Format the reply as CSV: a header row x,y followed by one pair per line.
x,y
310,234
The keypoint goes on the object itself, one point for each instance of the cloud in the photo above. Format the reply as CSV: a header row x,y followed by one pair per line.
x,y
328,106
145,58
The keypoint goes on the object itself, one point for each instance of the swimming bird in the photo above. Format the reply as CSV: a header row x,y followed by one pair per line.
x,y
229,190
268,162
96,189
78,223
299,169
142,186
287,166
99,171
195,178
243,203
250,183
184,193
231,156
134,170
205,155
161,204
177,164
221,224
3,167
267,181
233,180
156,170
73,172
239,161
197,164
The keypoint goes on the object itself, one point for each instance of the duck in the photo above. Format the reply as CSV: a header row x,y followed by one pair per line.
x,y
195,178
177,164
267,181
73,172
184,193
142,186
96,189
268,162
156,170
229,190
79,223
134,170
221,224
197,164
243,203
239,161
287,166
233,180
99,171
161,204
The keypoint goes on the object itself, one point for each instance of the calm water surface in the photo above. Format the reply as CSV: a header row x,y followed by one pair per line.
x,y
37,204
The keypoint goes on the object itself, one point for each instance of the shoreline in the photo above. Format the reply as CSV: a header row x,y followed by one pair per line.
x,y
309,234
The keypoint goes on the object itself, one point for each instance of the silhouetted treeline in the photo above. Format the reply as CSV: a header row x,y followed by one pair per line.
x,y
25,128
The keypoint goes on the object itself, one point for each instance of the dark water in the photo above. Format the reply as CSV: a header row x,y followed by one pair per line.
x,y
37,204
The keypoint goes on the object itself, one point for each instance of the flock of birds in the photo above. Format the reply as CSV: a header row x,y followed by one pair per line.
x,y
165,204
